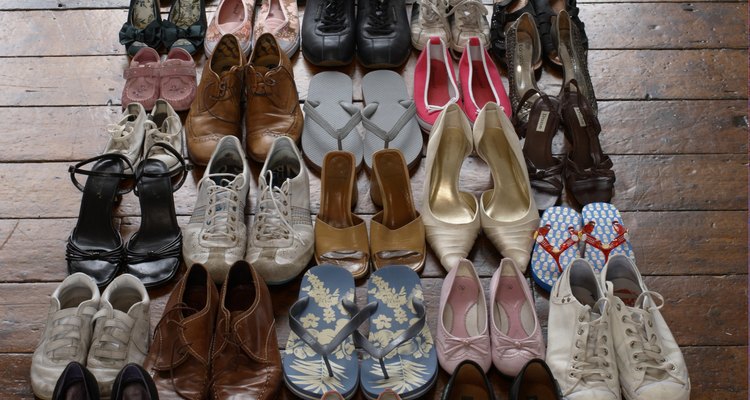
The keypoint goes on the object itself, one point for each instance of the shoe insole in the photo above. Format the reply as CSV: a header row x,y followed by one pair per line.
x,y
231,15
446,202
438,92
76,391
159,225
461,314
584,296
228,56
469,385
524,73
398,207
95,230
537,386
135,391
125,299
512,310
275,16
73,296
143,13
195,294
627,290
336,191
510,199
185,13
481,87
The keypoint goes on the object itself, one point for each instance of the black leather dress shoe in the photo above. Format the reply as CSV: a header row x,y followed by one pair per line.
x,y
328,32
383,35
535,382
134,383
76,383
468,382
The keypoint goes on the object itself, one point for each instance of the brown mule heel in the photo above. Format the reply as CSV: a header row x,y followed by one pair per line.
x,y
397,235
340,236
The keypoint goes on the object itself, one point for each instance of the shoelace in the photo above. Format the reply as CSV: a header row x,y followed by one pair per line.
x,y
590,364
379,18
273,213
470,13
155,134
120,136
221,213
647,347
113,343
332,18
65,337
432,14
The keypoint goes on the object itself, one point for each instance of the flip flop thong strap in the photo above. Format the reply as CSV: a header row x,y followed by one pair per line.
x,y
541,237
605,248
339,134
388,136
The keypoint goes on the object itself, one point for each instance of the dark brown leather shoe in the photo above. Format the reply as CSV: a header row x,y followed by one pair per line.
x,y
245,360
178,359
216,111
272,102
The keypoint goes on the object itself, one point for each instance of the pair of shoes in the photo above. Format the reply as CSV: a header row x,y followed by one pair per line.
x,y
272,106
514,335
148,79
104,332
147,150
387,394
388,118
235,17
77,383
435,84
184,28
320,354
455,22
586,169
564,235
506,213
381,34
396,233
218,345
618,332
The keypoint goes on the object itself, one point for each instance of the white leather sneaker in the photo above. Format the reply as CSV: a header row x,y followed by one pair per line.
x,y
429,18
468,19
121,330
649,361
216,234
280,243
127,135
579,340
164,126
67,334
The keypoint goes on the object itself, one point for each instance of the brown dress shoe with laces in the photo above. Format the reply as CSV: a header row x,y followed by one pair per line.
x,y
178,359
272,101
245,361
216,111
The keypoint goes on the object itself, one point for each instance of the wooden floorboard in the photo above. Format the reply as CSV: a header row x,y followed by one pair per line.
x,y
671,80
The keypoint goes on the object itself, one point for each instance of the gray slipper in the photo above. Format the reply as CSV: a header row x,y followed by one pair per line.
x,y
330,118
389,117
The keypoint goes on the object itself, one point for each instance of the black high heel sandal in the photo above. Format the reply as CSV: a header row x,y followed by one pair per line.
x,y
154,253
95,247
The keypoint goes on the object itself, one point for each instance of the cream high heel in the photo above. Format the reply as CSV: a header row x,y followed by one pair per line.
x,y
450,216
508,212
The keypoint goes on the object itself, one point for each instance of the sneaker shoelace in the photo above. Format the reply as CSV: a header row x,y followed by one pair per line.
x,y
590,362
332,16
470,13
379,18
120,134
432,13
273,213
223,205
113,343
155,134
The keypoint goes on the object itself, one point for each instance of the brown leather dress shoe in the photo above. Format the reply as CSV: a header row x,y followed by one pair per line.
x,y
272,101
216,111
178,359
246,363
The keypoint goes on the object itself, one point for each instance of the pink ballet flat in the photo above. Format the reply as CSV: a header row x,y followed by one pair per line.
x,y
142,79
178,79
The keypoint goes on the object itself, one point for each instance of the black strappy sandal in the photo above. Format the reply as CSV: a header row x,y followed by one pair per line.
x,y
153,254
95,247
547,12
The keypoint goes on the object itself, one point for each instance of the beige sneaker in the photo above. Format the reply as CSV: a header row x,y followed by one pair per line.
x,y
67,335
121,330
127,135
468,18
429,18
164,126
280,244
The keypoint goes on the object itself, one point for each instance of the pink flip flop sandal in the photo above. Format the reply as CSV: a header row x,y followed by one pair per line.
x,y
178,79
142,79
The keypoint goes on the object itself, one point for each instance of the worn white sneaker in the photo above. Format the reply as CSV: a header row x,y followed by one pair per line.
x,y
468,18
216,234
429,18
649,361
127,135
164,126
121,330
67,334
281,242
580,350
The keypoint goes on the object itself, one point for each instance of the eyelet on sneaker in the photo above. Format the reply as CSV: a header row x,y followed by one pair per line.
x,y
257,237
580,331
674,368
650,324
618,307
632,344
580,318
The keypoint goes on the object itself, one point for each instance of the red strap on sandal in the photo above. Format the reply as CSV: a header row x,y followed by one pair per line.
x,y
541,237
605,248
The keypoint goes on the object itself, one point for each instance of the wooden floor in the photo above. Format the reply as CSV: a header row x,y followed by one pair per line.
x,y
671,82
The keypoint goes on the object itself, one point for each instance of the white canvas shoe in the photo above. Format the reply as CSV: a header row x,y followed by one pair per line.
x,y
468,18
164,126
650,363
216,234
67,334
280,243
121,330
579,340
429,18
127,135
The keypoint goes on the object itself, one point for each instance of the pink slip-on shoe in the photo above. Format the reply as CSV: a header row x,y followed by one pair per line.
x,y
480,80
178,79
516,333
142,79
462,332
434,83
233,17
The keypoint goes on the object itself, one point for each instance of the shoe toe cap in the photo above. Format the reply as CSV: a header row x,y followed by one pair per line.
x,y
593,394
663,390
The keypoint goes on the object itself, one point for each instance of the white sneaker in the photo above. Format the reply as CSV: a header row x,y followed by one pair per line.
x,y
164,126
648,358
216,234
67,334
579,340
121,330
468,19
429,18
280,244
127,135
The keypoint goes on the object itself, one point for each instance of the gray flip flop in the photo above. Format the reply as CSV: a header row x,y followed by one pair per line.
x,y
330,118
389,117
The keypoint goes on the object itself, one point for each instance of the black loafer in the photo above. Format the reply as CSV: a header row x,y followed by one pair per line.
x,y
535,381
134,383
76,383
328,32
468,382
383,34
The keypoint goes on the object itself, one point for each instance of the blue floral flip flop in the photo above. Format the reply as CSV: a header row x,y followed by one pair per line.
x,y
603,234
320,354
556,245
399,351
